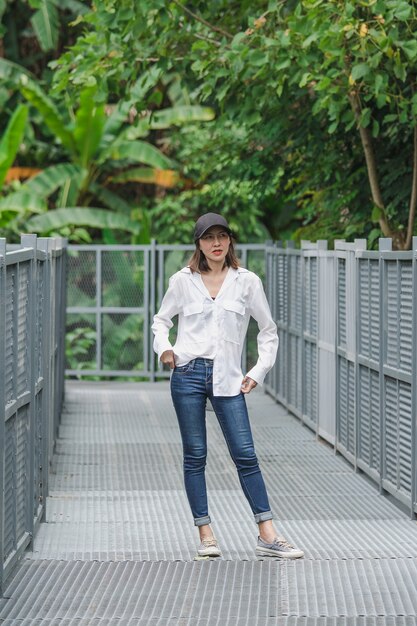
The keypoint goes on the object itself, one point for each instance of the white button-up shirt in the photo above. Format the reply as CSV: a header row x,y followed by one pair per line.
x,y
216,329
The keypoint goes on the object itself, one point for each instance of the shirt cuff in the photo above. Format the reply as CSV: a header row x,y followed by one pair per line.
x,y
257,373
162,348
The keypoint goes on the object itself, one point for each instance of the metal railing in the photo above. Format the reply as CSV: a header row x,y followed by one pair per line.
x,y
347,363
113,294
32,328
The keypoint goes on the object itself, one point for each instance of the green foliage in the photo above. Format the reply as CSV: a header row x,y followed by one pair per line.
x,y
10,141
291,74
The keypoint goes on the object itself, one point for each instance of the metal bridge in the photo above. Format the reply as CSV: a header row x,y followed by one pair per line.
x,y
95,527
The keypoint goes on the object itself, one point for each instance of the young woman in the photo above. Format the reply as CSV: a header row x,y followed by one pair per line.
x,y
214,299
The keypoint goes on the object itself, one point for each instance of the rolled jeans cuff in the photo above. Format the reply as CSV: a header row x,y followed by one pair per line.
x,y
202,521
263,517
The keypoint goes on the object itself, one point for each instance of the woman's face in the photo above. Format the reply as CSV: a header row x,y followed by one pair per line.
x,y
215,243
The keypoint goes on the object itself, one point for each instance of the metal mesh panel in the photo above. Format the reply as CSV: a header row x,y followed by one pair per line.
x,y
369,418
295,292
346,387
22,329
81,341
399,314
341,309
294,372
369,303
123,275
82,286
398,418
39,447
40,311
282,288
123,337
22,469
10,347
9,487
311,295
310,408
282,369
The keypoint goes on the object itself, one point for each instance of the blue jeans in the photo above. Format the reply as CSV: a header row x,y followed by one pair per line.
x,y
191,385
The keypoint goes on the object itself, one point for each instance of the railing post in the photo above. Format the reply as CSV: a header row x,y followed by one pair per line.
x,y
385,245
29,241
45,244
2,399
414,389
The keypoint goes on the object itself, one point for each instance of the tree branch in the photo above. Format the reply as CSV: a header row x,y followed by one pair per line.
x,y
202,20
413,198
368,149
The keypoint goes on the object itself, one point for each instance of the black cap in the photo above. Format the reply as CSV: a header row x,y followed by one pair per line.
x,y
208,220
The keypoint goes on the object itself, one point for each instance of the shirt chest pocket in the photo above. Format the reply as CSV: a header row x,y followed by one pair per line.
x,y
233,316
194,322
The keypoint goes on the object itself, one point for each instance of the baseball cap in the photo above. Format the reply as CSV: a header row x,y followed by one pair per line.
x,y
208,220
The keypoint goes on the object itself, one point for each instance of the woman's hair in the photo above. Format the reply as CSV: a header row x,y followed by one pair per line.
x,y
198,262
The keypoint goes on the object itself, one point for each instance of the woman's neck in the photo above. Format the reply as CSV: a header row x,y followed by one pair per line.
x,y
217,269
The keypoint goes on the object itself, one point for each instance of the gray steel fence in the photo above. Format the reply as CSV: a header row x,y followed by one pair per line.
x,y
32,328
347,329
113,294
347,360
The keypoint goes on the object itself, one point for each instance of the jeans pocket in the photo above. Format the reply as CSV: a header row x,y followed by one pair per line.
x,y
182,369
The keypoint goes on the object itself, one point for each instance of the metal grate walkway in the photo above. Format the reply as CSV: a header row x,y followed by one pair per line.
x,y
118,544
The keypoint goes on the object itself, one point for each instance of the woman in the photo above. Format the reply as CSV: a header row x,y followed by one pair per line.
x,y
214,299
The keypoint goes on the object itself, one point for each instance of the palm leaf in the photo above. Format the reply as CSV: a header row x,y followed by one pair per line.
x,y
110,199
10,142
50,114
150,175
54,177
45,23
79,216
89,125
142,152
14,71
22,201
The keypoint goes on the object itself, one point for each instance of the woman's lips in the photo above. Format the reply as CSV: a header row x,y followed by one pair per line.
x,y
217,251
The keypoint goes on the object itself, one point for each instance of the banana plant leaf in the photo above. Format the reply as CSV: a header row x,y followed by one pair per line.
x,y
78,216
22,201
54,177
110,199
163,178
10,142
89,125
142,152
50,114
45,23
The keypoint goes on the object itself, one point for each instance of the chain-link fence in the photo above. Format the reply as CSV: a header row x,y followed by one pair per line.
x,y
347,321
32,316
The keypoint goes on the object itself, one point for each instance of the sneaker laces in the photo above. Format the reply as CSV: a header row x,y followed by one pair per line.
x,y
284,542
209,542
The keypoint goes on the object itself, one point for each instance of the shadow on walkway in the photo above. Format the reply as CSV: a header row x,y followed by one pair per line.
x,y
118,544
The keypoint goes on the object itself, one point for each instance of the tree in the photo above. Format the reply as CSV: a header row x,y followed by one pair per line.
x,y
314,68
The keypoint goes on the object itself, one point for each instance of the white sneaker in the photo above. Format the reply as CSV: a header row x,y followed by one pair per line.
x,y
209,547
279,548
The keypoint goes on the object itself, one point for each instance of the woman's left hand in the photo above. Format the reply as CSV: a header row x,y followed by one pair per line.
x,y
247,385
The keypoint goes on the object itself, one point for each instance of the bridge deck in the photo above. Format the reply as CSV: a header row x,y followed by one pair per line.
x,y
118,544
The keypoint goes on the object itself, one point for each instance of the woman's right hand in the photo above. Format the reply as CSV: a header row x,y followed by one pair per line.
x,y
167,358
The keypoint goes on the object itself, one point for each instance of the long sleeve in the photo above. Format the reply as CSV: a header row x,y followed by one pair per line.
x,y
162,321
267,337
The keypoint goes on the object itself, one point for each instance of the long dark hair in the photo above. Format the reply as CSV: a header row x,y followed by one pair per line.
x,y
198,262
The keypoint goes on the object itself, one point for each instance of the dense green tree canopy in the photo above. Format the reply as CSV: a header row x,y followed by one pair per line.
x,y
315,130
